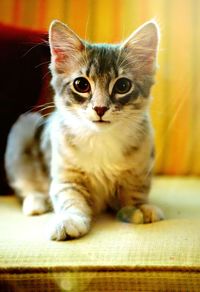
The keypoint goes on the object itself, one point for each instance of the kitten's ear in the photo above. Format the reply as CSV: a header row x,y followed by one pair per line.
x,y
65,46
142,47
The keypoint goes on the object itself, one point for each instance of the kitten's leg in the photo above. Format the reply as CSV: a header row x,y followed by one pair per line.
x,y
147,213
33,194
25,164
73,213
36,203
140,214
133,197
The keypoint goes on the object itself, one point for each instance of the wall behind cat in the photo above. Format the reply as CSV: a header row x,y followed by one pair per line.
x,y
176,104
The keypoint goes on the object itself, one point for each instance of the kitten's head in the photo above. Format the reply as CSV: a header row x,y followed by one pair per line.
x,y
99,85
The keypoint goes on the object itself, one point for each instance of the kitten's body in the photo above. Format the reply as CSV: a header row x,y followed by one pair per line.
x,y
96,149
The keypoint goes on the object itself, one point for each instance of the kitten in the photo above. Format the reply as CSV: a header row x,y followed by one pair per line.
x,y
96,149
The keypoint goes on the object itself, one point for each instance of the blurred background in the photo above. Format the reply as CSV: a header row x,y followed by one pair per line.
x,y
176,104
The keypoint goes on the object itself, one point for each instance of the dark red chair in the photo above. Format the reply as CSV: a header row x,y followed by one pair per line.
x,y
24,79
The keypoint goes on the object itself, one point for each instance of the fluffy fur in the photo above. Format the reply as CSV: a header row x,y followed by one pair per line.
x,y
96,149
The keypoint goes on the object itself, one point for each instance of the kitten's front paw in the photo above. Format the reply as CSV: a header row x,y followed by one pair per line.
x,y
142,214
151,213
35,205
70,225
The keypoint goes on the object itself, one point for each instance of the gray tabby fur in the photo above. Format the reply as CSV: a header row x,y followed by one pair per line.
x,y
77,161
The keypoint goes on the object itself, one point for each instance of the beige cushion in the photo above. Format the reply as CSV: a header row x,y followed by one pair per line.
x,y
114,256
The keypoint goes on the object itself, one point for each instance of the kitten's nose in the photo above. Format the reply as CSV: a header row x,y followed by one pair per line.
x,y
100,110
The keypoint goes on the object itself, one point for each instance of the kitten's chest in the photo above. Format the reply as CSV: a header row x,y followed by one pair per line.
x,y
101,154
103,161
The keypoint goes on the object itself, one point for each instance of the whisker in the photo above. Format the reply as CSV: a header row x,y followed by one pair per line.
x,y
45,108
46,103
45,115
44,42
40,107
46,74
43,63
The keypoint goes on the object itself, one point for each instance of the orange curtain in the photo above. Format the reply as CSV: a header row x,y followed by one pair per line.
x,y
176,103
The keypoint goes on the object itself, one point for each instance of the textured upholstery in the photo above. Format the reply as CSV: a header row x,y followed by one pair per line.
x,y
114,256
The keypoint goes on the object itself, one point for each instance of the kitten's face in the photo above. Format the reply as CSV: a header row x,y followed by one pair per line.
x,y
101,85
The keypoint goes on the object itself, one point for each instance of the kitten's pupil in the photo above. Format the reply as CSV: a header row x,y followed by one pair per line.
x,y
82,85
122,86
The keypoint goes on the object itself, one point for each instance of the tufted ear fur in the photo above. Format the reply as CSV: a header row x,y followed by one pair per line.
x,y
142,47
65,46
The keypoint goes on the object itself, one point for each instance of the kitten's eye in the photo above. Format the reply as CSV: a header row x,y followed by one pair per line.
x,y
122,86
82,85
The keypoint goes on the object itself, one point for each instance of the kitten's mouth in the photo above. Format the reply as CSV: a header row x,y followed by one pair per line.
x,y
102,121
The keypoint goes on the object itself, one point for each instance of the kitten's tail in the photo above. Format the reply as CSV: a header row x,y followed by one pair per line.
x,y
20,140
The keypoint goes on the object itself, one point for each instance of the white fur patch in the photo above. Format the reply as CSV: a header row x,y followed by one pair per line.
x,y
69,225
